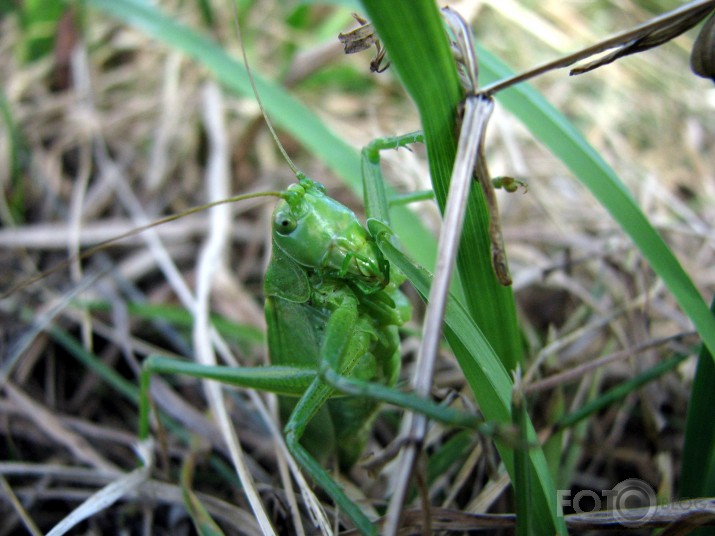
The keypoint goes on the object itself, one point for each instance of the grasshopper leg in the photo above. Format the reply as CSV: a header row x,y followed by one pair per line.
x,y
344,344
372,180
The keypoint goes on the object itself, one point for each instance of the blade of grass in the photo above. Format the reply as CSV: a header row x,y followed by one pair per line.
x,y
698,469
120,487
39,21
620,391
130,391
552,129
12,209
247,337
416,41
203,522
127,389
489,381
522,476
414,36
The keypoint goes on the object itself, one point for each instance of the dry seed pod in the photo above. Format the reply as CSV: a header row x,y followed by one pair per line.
x,y
362,38
702,59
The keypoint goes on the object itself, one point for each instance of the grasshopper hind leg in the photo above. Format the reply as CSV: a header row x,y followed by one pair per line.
x,y
347,410
294,430
346,343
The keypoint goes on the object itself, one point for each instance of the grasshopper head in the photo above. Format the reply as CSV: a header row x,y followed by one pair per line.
x,y
321,234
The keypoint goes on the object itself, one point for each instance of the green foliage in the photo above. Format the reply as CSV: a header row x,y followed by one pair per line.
x,y
17,155
39,20
247,338
557,133
489,380
413,34
698,465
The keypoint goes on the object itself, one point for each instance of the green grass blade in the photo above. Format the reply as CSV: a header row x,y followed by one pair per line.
x,y
552,129
126,388
452,452
522,476
17,152
619,392
561,137
39,21
698,469
248,338
203,522
130,391
489,381
414,35
416,42
285,111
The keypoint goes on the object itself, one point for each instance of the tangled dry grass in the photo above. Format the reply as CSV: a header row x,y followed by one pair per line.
x,y
121,130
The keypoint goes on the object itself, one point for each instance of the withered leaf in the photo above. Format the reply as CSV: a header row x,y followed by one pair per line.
x,y
657,32
362,38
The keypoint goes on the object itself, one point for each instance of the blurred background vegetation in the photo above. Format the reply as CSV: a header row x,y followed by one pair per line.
x,y
125,108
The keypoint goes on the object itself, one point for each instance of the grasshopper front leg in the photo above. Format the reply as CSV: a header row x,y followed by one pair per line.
x,y
376,203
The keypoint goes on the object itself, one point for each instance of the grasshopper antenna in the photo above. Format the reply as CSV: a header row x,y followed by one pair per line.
x,y
104,243
298,173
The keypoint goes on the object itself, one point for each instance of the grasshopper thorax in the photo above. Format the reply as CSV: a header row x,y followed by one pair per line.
x,y
321,234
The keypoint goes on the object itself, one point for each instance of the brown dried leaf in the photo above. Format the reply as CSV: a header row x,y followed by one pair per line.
x,y
362,38
648,35
656,33
359,39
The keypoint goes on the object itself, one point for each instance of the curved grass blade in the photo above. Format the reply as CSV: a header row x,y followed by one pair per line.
x,y
552,129
619,392
488,379
522,476
202,520
416,42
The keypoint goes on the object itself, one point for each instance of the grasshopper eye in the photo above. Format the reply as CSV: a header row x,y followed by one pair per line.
x,y
284,224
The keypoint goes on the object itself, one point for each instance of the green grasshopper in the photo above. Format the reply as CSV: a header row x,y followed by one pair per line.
x,y
332,308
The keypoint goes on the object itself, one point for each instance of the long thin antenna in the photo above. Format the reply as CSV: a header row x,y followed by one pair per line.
x,y
104,243
299,174
314,508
